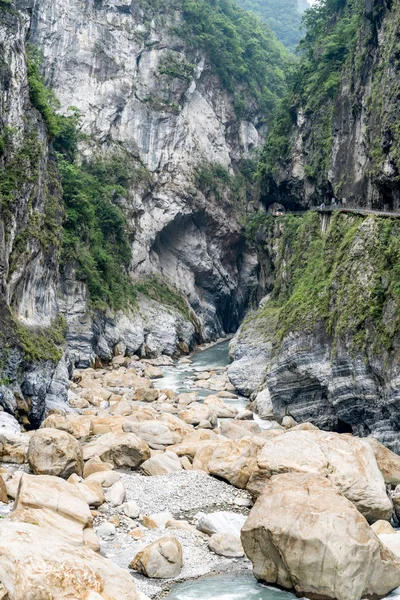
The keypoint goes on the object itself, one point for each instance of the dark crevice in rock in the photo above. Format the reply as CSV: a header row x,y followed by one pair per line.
x,y
211,265
343,427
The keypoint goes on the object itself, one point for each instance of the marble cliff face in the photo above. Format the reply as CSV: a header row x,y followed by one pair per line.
x,y
146,94
324,344
109,60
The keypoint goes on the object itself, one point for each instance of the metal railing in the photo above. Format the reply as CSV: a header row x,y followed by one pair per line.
x,y
347,208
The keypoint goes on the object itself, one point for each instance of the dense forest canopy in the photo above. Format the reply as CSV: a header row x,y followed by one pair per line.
x,y
283,16
246,54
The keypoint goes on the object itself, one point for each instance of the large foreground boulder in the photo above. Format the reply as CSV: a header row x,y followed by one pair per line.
x,y
302,534
55,452
119,449
36,564
347,461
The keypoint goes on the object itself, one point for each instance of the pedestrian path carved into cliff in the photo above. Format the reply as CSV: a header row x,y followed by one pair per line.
x,y
395,214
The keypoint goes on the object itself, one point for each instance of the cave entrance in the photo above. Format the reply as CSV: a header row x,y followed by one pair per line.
x,y
343,427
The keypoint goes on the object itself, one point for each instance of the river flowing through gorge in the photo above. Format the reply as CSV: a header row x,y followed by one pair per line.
x,y
199,371
243,587
182,376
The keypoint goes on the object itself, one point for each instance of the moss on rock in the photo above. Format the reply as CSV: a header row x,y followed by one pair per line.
x,y
348,277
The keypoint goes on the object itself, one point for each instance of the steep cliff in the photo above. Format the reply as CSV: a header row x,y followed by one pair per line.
x,y
337,133
127,145
324,344
149,94
30,234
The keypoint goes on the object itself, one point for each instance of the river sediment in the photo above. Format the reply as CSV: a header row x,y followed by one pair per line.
x,y
174,466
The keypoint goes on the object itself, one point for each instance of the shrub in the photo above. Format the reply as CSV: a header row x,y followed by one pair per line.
x,y
42,98
245,53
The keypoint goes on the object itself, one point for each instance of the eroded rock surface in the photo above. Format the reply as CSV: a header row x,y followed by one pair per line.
x,y
302,534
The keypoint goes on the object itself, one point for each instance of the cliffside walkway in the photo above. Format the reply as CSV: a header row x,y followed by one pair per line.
x,y
358,210
394,214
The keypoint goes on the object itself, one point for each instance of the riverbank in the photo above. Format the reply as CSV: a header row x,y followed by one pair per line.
x,y
179,497
171,477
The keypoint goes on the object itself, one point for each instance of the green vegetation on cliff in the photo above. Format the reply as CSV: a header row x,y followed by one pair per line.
x,y
42,98
250,61
95,233
43,343
283,16
348,278
235,190
326,52
245,53
159,289
329,43
383,108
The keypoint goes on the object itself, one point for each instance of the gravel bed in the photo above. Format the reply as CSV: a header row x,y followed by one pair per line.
x,y
182,494
198,560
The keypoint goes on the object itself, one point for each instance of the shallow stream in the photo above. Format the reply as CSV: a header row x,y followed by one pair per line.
x,y
225,587
181,377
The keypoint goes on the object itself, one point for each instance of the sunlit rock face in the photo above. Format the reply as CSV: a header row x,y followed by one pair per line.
x,y
112,61
109,59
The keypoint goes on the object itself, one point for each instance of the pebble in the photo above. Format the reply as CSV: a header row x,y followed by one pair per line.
x,y
106,530
116,494
242,502
136,534
130,509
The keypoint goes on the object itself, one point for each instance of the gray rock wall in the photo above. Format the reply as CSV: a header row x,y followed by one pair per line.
x,y
360,164
29,247
107,60
339,372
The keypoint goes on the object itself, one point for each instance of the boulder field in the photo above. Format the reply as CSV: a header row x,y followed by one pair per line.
x,y
132,486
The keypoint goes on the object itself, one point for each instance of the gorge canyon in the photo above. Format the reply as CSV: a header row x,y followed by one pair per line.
x,y
175,178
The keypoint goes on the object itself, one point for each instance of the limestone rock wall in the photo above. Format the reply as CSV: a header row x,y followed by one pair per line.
x,y
108,60
112,60
359,164
30,226
324,345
